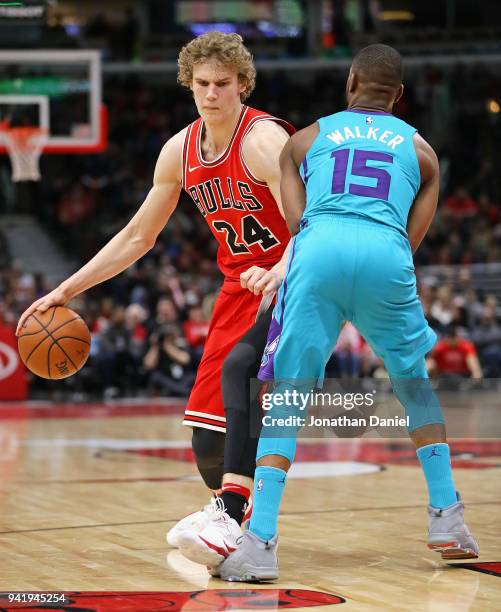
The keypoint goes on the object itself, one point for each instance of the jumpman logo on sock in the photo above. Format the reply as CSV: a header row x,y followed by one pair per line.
x,y
434,453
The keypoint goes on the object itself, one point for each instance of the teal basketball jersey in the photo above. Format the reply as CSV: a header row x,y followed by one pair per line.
x,y
362,164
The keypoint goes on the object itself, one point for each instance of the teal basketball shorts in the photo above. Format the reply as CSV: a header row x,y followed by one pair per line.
x,y
344,269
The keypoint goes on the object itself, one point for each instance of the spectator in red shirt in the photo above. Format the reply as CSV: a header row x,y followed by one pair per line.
x,y
460,204
455,357
195,330
76,205
488,208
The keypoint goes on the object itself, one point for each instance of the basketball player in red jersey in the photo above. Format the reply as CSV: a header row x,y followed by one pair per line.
x,y
228,162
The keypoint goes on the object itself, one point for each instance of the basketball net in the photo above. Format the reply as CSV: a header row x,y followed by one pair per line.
x,y
24,145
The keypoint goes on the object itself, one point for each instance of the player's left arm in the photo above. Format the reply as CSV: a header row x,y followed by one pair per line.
x,y
261,151
473,362
287,187
292,187
425,205
474,366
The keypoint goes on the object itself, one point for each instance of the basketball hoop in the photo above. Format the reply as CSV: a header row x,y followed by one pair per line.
x,y
24,145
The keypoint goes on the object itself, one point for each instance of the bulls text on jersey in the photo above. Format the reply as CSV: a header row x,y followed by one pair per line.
x,y
214,194
218,194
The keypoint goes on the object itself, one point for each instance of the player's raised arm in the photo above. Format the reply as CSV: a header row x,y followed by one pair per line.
x,y
424,207
292,188
133,241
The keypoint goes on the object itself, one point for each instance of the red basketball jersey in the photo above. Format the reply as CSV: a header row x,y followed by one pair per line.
x,y
240,210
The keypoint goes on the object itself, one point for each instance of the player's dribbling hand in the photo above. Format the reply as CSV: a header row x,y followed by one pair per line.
x,y
57,297
260,281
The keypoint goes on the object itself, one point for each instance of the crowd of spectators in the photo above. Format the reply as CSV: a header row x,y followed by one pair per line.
x,y
149,324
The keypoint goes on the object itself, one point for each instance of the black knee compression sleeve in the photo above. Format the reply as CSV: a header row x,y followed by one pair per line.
x,y
243,412
208,448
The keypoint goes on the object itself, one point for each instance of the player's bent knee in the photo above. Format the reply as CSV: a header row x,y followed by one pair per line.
x,y
417,370
278,461
284,447
208,448
207,445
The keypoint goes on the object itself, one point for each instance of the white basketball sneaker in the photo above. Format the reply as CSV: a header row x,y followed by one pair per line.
x,y
215,542
194,523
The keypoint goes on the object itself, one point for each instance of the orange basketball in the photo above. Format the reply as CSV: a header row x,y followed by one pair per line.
x,y
54,344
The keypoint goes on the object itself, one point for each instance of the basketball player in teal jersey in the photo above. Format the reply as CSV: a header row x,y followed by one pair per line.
x,y
359,190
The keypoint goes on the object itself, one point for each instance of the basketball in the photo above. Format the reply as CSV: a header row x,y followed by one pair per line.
x,y
54,344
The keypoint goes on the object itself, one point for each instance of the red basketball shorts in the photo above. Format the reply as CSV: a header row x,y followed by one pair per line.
x,y
233,315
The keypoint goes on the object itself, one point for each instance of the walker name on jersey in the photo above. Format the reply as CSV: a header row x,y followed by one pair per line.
x,y
386,137
222,193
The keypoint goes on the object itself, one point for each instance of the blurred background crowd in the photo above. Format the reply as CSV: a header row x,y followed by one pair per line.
x,y
149,324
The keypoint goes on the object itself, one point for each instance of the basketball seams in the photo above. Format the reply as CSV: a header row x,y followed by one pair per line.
x,y
49,334
54,308
74,338
55,340
35,348
32,333
53,315
48,359
61,348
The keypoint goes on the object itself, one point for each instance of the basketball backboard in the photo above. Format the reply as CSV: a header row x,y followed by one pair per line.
x,y
58,91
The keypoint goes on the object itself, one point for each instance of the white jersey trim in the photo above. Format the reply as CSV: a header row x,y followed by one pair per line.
x,y
224,155
186,150
205,415
189,423
252,123
246,168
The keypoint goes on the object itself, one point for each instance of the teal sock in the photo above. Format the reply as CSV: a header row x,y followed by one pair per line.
x,y
269,484
435,460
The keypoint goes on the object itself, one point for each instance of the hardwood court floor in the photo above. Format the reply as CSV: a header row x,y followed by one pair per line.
x,y
88,492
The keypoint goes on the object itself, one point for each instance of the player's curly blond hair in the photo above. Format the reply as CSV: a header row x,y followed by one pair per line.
x,y
227,49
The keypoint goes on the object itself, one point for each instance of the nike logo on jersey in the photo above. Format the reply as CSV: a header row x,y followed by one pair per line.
x,y
192,169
